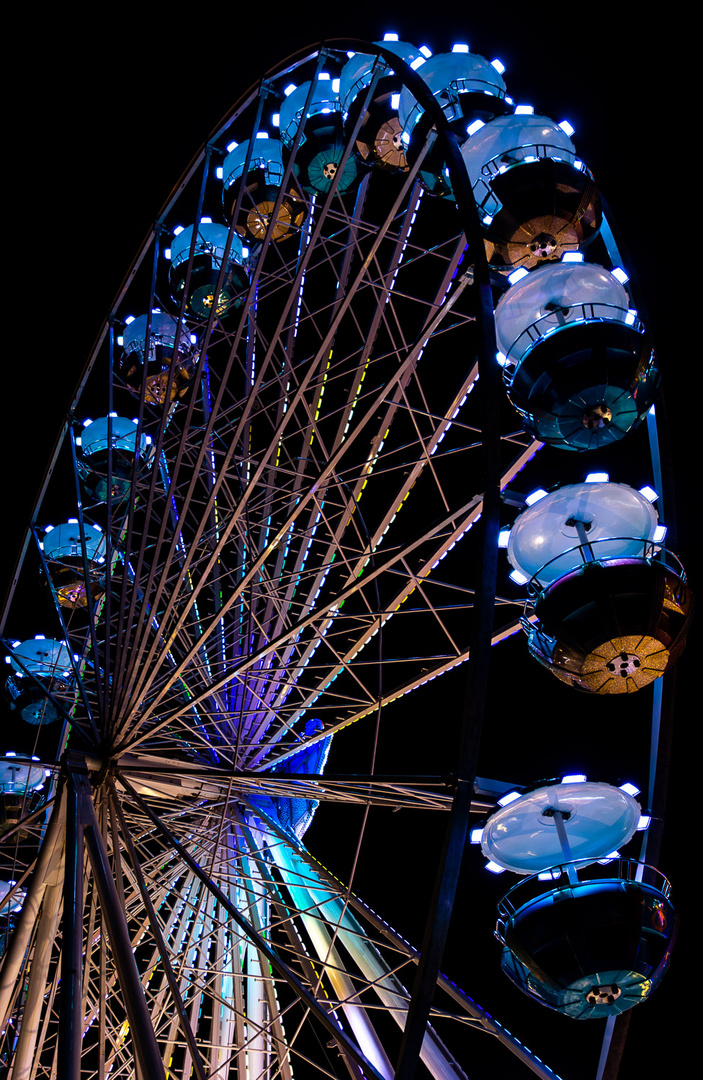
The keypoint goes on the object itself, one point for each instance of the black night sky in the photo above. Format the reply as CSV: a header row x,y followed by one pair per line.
x,y
102,124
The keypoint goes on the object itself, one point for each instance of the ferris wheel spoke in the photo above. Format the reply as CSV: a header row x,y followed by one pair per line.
x,y
249,929
394,559
429,561
288,547
259,561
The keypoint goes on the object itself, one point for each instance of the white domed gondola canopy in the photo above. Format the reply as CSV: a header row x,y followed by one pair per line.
x,y
612,608
260,189
156,341
578,361
468,88
589,948
546,540
379,140
20,781
536,200
39,664
19,774
464,85
523,836
13,906
322,145
67,548
108,447
210,252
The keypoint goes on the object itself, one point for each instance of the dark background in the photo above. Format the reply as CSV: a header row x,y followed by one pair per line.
x,y
98,128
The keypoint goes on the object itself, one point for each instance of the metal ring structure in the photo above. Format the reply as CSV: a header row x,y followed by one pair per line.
x,y
290,554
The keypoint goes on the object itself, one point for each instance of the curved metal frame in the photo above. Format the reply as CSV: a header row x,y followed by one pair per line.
x,y
160,657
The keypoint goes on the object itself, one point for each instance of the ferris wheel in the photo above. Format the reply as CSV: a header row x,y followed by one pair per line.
x,y
377,297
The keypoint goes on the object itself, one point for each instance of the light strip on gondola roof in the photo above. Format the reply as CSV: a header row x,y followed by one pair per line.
x,y
498,65
524,110
510,796
566,127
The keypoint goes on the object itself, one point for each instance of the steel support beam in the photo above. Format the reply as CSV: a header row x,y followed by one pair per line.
x,y
145,1044
307,999
198,1066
